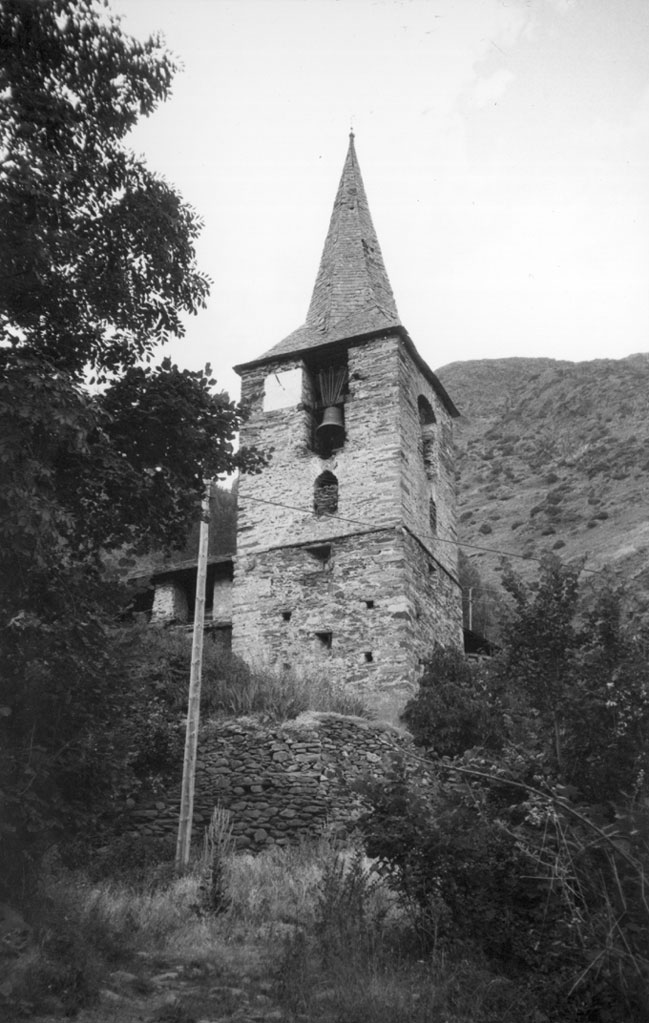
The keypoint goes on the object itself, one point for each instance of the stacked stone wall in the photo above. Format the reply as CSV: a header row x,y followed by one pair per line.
x,y
357,614
351,592
429,466
368,466
282,783
434,600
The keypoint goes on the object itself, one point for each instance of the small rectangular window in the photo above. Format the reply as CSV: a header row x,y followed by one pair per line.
x,y
325,639
321,553
369,656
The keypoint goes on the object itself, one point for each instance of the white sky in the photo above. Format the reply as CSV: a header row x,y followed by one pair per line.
x,y
504,146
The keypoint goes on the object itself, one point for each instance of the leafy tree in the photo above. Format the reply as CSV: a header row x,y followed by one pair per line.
x,y
97,263
525,830
541,642
97,269
459,705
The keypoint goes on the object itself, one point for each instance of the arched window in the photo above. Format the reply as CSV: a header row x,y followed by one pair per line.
x,y
325,494
424,408
427,431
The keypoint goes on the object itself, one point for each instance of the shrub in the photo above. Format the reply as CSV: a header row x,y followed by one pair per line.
x,y
534,848
457,706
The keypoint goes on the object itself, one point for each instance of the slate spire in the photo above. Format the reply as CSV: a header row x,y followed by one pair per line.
x,y
352,280
352,294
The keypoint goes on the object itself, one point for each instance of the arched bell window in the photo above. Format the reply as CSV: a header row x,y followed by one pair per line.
x,y
427,423
325,494
329,422
425,410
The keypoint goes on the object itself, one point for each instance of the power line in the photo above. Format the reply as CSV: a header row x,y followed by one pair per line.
x,y
438,539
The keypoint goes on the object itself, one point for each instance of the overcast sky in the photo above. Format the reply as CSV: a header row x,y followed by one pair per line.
x,y
504,146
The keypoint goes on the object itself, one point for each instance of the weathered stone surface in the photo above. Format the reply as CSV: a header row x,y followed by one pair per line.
x,y
368,609
299,798
169,602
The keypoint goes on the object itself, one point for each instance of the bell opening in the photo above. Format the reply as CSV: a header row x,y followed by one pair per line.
x,y
330,434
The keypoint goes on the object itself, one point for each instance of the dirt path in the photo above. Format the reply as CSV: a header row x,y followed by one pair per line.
x,y
166,989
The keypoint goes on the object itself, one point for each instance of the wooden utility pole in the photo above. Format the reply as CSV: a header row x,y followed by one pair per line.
x,y
194,701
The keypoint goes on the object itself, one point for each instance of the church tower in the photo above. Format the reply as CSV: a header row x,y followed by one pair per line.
x,y
346,560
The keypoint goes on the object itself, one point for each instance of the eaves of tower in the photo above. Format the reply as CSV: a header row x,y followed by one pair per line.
x,y
341,344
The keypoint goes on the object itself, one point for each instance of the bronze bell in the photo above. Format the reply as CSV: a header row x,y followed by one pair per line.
x,y
332,428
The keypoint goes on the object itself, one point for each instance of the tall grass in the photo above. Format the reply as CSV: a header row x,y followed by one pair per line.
x,y
159,658
233,689
317,921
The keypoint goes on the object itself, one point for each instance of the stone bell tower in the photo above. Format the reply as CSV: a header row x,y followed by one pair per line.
x,y
346,561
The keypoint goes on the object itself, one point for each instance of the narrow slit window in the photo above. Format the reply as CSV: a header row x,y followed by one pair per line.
x,y
427,423
432,516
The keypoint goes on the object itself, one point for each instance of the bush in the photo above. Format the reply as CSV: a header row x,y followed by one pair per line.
x,y
525,834
457,706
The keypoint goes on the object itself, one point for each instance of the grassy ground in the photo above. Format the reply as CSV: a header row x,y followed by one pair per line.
x,y
308,933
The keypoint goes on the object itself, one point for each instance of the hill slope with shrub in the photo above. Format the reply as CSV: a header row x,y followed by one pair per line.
x,y
554,457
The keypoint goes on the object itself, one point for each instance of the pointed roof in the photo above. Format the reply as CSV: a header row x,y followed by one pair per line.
x,y
352,278
352,294
352,297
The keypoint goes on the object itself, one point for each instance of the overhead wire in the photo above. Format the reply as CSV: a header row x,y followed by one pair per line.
x,y
437,539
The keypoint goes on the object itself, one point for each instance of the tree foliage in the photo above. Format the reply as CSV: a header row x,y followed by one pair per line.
x,y
524,832
97,263
97,269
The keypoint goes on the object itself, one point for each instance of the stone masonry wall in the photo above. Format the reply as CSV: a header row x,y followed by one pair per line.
x,y
368,466
433,600
280,783
169,602
357,613
352,593
430,473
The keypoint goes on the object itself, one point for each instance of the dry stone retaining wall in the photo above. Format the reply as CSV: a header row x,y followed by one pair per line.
x,y
281,783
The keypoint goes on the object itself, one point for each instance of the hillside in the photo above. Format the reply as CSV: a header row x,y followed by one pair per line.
x,y
554,456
